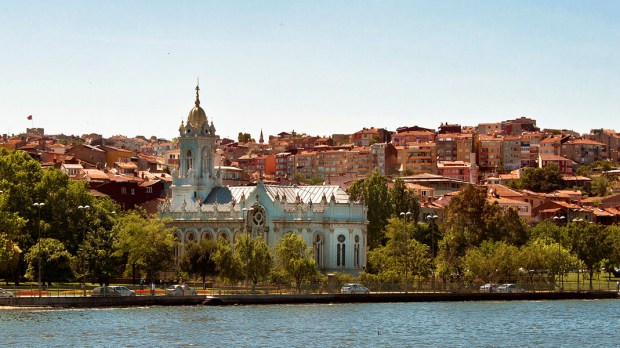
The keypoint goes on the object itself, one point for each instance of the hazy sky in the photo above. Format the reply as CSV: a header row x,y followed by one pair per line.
x,y
320,67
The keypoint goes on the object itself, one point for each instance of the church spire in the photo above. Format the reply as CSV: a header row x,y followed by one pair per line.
x,y
197,102
260,139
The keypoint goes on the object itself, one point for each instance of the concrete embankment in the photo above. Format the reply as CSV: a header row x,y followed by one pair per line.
x,y
402,297
93,302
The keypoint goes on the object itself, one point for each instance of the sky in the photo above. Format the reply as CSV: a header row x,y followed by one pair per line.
x,y
319,67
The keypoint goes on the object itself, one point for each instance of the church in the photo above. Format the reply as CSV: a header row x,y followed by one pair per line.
x,y
202,208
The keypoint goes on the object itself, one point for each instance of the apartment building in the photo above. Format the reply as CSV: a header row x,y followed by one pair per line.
x,y
530,144
447,147
489,152
410,137
384,158
369,136
584,151
465,147
458,170
511,152
417,159
610,138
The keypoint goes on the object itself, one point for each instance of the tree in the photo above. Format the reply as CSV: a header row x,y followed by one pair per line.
x,y
374,192
547,179
198,259
55,261
295,259
600,186
103,263
23,182
255,257
9,256
401,256
590,244
145,241
244,137
227,261
403,200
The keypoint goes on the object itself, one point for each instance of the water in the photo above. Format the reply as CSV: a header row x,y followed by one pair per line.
x,y
441,324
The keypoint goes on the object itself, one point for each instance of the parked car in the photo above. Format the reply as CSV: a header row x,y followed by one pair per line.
x,y
4,293
354,288
104,291
180,290
112,291
123,291
489,287
510,288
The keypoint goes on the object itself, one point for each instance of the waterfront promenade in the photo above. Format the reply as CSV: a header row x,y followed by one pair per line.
x,y
248,299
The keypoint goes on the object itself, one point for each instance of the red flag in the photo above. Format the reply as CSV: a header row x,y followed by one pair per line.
x,y
30,118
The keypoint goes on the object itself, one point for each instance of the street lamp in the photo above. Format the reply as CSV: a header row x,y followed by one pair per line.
x,y
406,215
83,208
431,219
39,206
246,213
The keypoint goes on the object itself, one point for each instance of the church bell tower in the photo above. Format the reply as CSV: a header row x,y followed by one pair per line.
x,y
196,176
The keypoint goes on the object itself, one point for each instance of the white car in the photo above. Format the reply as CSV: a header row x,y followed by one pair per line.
x,y
510,288
4,293
180,290
123,291
354,288
489,287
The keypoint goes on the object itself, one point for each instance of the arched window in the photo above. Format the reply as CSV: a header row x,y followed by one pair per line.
x,y
188,160
318,250
356,252
190,237
340,251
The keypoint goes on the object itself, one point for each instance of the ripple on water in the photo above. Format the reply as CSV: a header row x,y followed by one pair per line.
x,y
464,324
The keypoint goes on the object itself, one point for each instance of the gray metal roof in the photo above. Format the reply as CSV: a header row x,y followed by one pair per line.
x,y
306,194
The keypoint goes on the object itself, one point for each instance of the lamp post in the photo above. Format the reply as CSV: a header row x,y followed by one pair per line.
x,y
406,215
39,206
559,220
246,212
431,219
83,208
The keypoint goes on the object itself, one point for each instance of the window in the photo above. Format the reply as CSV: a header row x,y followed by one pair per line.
x,y
133,192
149,189
123,190
340,251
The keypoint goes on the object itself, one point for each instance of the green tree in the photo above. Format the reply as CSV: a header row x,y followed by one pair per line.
x,y
600,186
295,259
244,137
55,261
23,182
9,257
584,170
255,258
145,241
590,243
547,179
374,192
403,200
402,256
103,262
198,259
227,262
613,241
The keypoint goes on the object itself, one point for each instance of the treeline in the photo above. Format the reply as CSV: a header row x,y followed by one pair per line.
x,y
474,240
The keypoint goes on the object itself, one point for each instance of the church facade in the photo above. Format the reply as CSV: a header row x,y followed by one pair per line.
x,y
202,208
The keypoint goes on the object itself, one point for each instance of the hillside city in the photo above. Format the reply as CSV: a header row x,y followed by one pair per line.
x,y
433,163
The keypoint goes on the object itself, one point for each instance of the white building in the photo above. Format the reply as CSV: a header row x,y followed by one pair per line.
x,y
202,208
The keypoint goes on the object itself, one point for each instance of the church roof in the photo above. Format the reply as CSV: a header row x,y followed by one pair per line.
x,y
314,194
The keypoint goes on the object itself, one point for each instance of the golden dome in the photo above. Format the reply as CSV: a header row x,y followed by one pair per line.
x,y
197,116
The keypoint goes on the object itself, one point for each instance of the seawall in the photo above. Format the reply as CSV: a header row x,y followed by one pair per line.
x,y
223,300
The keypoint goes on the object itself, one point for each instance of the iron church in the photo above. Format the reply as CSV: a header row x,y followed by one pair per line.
x,y
202,208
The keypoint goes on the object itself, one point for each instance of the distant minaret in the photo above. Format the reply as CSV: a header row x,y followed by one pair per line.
x,y
260,139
